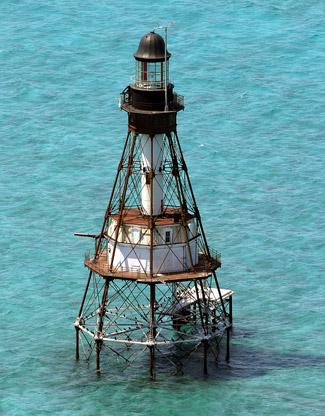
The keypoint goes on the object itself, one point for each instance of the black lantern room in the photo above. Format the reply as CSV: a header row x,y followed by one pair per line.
x,y
152,62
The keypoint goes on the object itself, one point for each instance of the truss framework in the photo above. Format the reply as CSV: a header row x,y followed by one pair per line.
x,y
170,316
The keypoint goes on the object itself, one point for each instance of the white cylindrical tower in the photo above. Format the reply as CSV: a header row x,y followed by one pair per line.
x,y
152,165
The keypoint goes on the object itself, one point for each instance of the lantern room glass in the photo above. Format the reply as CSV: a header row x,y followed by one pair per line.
x,y
151,75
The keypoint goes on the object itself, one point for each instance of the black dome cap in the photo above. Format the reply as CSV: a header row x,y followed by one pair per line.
x,y
151,48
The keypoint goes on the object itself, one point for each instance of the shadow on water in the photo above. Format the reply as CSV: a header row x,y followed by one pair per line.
x,y
249,361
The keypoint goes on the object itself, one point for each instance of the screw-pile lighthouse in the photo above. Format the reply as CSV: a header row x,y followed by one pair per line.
x,y
152,277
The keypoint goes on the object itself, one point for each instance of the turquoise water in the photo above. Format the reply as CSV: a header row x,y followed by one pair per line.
x,y
252,73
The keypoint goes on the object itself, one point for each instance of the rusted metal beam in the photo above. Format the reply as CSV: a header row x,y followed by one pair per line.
x,y
99,329
77,343
151,219
200,308
219,293
85,293
228,344
198,216
181,197
153,328
122,202
108,210
205,356
230,310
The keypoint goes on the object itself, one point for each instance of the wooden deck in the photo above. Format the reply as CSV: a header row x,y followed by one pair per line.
x,y
133,216
202,270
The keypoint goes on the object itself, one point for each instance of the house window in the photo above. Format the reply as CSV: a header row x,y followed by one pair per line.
x,y
135,235
168,235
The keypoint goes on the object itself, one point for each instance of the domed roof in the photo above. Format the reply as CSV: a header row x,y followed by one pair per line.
x,y
151,48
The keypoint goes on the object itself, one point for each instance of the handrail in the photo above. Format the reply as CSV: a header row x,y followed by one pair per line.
x,y
176,103
215,255
150,84
178,100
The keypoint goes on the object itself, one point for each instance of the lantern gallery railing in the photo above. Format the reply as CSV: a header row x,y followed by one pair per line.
x,y
177,102
124,98
150,84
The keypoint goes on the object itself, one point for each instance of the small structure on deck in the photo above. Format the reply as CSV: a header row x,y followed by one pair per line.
x,y
152,282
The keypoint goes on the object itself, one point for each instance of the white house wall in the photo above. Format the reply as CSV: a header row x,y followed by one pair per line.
x,y
178,233
164,260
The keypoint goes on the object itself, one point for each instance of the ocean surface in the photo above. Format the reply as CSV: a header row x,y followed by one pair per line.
x,y
253,76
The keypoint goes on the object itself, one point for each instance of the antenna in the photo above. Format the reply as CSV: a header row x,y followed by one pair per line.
x,y
165,28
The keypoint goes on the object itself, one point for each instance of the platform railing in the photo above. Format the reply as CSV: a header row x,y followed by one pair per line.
x,y
150,84
205,265
178,100
215,255
124,97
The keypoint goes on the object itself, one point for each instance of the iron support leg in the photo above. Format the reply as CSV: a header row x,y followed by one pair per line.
x,y
194,313
77,343
153,329
99,334
85,294
152,362
228,344
230,310
213,320
98,348
205,357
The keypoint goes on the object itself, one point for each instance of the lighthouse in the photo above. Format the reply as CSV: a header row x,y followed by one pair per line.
x,y
152,277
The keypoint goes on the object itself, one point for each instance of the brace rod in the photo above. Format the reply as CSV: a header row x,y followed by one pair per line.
x,y
200,309
85,293
199,218
108,210
122,203
152,224
181,196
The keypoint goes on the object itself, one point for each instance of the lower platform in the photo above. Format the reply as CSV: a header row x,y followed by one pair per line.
x,y
201,270
170,321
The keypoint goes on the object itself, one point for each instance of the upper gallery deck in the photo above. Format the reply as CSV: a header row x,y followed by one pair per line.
x,y
134,216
